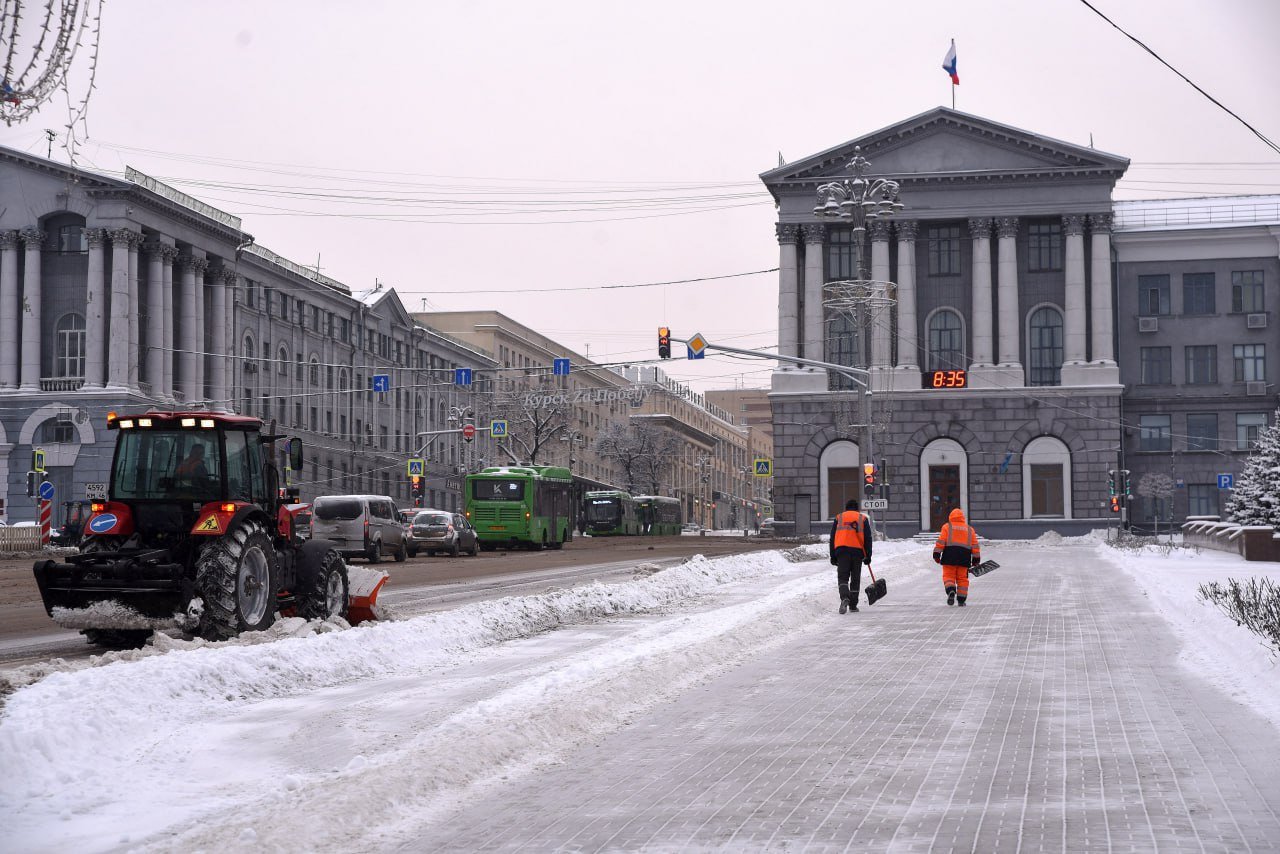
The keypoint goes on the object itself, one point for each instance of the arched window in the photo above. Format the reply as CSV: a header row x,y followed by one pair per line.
x,y
1044,343
314,371
65,235
69,334
282,361
250,355
946,342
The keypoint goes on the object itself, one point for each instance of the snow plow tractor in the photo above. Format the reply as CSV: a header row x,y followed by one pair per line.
x,y
194,532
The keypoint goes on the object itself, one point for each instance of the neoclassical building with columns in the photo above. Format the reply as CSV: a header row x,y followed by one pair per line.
x,y
1000,264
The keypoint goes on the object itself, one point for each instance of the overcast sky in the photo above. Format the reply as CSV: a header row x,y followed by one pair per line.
x,y
450,150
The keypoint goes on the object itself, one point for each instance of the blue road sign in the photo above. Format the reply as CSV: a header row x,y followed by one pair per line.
x,y
46,490
1225,481
416,467
381,382
695,354
763,467
498,429
560,367
462,376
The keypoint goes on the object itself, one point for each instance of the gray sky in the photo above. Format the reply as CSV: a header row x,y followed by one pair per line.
x,y
548,117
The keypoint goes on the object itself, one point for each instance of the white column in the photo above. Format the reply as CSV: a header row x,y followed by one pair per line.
x,y
200,339
10,290
185,333
815,335
155,319
118,353
881,316
167,301
1073,323
135,331
95,331
980,316
32,300
788,292
1007,277
218,362
1100,293
908,341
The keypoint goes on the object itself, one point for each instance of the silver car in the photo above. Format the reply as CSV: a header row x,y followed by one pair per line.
x,y
441,531
365,526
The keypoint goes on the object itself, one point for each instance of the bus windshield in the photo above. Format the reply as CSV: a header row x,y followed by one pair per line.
x,y
497,490
602,510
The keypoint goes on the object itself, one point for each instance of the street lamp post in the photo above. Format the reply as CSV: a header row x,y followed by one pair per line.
x,y
575,438
856,200
704,476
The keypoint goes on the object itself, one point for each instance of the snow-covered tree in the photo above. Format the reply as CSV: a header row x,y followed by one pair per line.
x,y
1255,498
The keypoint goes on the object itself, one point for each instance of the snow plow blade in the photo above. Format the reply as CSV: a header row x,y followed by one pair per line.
x,y
137,579
365,583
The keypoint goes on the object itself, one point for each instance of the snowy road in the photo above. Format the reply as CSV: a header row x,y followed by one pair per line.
x,y
718,705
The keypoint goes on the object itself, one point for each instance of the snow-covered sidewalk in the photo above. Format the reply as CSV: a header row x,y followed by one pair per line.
x,y
722,704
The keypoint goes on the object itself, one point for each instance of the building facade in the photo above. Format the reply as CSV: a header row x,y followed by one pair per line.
x,y
1000,376
123,295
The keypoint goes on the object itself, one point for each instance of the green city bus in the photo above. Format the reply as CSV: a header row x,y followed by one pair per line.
x,y
610,513
527,506
660,516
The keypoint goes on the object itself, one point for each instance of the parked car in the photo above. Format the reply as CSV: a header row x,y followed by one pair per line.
x,y
441,531
365,526
766,528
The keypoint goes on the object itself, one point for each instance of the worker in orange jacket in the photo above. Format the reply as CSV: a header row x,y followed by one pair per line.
x,y
957,549
850,548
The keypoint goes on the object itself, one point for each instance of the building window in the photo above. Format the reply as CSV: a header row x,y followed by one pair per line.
x,y
1156,433
1247,291
1045,347
282,362
1198,293
946,342
297,415
1249,426
284,306
56,432
69,361
1202,499
1202,364
842,349
840,255
1202,431
72,240
314,372
1153,295
944,250
1156,365
1044,247
1046,490
1250,362
249,289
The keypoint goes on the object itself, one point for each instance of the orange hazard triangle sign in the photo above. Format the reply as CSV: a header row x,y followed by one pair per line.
x,y
210,525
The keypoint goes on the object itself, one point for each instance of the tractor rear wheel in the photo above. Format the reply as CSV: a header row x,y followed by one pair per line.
x,y
236,576
324,588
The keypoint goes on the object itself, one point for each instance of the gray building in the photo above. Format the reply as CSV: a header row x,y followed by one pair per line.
x,y
128,294
1004,376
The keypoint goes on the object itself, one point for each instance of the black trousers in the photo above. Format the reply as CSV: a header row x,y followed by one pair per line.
x,y
849,571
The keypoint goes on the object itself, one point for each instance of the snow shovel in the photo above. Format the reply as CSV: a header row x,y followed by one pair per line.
x,y
984,567
877,589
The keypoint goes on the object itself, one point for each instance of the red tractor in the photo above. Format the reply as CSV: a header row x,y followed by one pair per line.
x,y
195,533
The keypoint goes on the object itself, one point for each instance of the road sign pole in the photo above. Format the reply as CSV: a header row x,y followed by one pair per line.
x,y
46,522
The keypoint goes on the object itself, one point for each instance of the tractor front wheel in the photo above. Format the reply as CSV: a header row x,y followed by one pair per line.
x,y
236,576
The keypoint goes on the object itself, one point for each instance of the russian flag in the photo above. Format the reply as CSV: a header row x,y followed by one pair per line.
x,y
949,64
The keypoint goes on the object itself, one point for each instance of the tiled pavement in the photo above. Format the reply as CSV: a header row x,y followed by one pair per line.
x,y
1049,715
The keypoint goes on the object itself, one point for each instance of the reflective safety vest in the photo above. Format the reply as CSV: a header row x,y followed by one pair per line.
x,y
849,530
956,545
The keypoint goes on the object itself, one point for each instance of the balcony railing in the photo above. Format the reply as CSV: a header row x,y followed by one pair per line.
x,y
61,383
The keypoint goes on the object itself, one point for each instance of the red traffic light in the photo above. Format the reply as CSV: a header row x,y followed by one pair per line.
x,y
1115,504
869,473
664,342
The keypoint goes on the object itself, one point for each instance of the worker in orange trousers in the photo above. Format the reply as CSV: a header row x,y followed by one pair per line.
x,y
957,549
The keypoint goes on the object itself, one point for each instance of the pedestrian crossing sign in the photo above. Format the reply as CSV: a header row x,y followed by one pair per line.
x,y
764,468
498,429
417,466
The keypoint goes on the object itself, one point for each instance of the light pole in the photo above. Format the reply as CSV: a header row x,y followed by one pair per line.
x,y
704,475
856,200
574,438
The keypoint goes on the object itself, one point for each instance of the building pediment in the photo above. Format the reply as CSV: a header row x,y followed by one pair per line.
x,y
944,145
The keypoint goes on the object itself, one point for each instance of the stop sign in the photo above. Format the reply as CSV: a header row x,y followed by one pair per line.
x,y
469,432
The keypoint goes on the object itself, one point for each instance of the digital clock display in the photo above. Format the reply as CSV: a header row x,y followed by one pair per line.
x,y
946,379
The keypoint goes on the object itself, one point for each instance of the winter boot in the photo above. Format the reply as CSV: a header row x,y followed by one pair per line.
x,y
960,601
844,606
853,606
951,596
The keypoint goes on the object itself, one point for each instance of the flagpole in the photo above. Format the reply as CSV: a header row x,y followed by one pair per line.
x,y
953,96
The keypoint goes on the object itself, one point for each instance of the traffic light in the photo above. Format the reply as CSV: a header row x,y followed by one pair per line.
x,y
1115,504
664,342
1124,479
1111,482
869,477
417,490
33,483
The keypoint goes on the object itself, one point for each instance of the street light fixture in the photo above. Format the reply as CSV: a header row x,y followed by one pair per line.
x,y
574,438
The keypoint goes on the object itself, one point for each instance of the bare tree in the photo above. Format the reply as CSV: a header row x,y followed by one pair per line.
x,y
660,448
1156,485
534,421
619,442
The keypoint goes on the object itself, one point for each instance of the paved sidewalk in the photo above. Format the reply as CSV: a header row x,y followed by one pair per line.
x,y
1049,715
